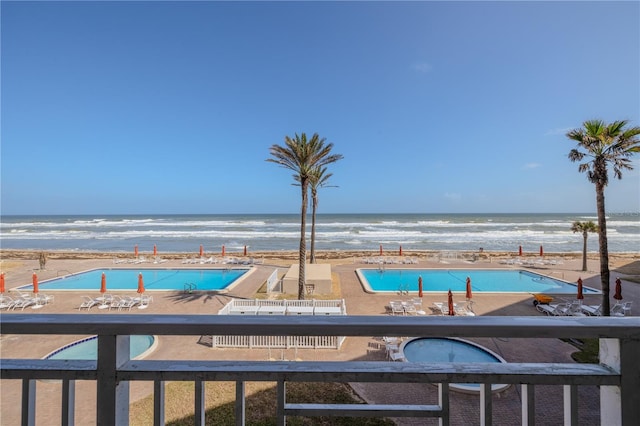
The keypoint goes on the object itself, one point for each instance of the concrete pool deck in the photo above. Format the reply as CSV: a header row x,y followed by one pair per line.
x,y
465,408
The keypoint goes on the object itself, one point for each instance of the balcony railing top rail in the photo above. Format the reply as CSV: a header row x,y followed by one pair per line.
x,y
352,325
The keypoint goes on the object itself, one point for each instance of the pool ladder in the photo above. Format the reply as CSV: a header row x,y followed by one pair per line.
x,y
189,287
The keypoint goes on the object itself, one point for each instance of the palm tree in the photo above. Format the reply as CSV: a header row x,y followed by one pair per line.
x,y
318,179
302,156
585,228
604,144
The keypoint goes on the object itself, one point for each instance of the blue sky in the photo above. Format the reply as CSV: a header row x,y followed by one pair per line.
x,y
162,107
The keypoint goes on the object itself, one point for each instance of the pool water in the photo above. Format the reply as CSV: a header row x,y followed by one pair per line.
x,y
154,279
87,349
482,281
443,350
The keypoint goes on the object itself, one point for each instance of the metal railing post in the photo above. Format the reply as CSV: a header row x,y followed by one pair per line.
x,y
610,396
630,376
240,403
570,398
112,394
281,419
528,405
68,402
486,404
199,403
28,402
158,402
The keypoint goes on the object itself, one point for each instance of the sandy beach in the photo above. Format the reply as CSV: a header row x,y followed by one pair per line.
x,y
19,266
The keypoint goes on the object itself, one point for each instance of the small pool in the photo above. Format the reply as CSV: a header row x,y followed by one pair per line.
x,y
482,281
154,280
447,349
87,349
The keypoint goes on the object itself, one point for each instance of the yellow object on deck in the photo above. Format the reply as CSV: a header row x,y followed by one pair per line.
x,y
542,298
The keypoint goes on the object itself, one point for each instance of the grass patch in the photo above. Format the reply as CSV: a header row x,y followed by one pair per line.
x,y
260,404
589,352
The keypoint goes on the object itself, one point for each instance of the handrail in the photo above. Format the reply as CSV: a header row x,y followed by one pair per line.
x,y
351,325
616,375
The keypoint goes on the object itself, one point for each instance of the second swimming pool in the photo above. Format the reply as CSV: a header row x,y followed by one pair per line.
x,y
154,280
482,281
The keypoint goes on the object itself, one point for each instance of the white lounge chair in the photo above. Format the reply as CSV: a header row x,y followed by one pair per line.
x,y
621,309
593,310
44,299
23,302
396,356
396,307
460,309
441,308
127,302
556,309
87,303
115,303
144,301
6,302
409,308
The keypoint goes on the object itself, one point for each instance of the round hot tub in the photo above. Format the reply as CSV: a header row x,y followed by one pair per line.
x,y
448,349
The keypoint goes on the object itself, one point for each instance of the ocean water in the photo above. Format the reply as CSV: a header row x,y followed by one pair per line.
x,y
280,232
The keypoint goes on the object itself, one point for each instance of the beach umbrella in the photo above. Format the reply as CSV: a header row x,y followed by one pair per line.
x,y
103,284
580,296
155,250
469,288
450,301
135,250
400,250
140,283
618,295
2,290
35,283
420,286
223,250
380,249
541,251
201,250
520,251
244,253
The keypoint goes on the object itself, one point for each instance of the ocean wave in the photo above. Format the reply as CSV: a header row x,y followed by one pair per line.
x,y
281,232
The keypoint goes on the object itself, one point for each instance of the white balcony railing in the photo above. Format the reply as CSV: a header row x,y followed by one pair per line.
x,y
618,375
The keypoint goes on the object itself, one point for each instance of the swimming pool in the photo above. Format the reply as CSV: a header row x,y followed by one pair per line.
x,y
482,281
154,280
87,349
447,349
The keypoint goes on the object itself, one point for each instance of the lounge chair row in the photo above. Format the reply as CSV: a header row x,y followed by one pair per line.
x,y
115,302
22,301
140,259
222,261
531,262
462,309
377,260
576,308
406,307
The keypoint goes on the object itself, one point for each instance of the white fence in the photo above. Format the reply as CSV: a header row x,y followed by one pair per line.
x,y
274,285
278,342
281,307
284,307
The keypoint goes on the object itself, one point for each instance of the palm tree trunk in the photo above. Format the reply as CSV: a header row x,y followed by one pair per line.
x,y
303,243
585,235
604,250
314,207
